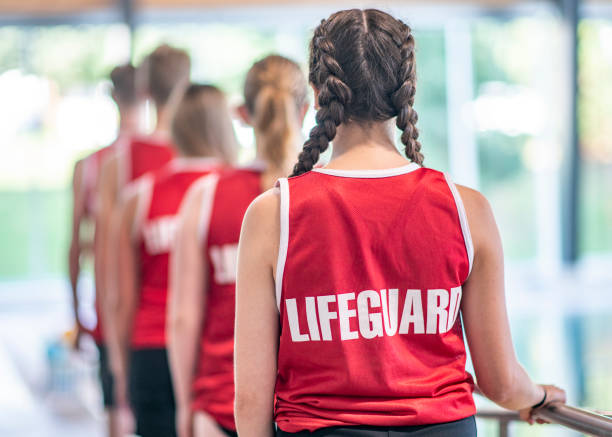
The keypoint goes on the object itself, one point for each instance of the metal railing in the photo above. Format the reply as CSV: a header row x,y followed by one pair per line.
x,y
578,419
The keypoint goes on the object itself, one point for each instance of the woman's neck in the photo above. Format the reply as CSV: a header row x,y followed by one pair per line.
x,y
129,121
365,146
163,121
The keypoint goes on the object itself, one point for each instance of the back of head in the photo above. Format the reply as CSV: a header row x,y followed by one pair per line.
x,y
165,69
202,125
362,62
275,92
123,78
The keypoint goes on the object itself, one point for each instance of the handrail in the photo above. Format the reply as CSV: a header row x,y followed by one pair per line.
x,y
578,419
574,418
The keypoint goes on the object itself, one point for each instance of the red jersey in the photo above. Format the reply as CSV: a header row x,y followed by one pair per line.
x,y
368,284
213,386
92,165
159,200
142,155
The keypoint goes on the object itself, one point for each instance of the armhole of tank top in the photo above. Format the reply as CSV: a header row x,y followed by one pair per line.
x,y
144,189
465,227
209,186
283,184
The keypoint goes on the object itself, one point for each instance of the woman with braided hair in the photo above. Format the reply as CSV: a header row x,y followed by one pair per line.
x,y
354,279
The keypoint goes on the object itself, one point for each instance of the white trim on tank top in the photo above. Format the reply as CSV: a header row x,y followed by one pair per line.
x,y
369,174
143,186
465,227
283,184
208,184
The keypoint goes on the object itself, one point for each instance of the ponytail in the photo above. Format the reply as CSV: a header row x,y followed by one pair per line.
x,y
276,124
274,92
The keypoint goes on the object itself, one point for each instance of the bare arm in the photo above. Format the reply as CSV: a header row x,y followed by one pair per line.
x,y
499,375
106,192
188,289
122,299
257,320
74,254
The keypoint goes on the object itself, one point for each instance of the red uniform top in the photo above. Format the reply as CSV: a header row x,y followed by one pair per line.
x,y
92,164
213,386
368,281
161,194
142,155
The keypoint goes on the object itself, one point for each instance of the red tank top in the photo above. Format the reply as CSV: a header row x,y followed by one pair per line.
x,y
369,277
144,154
213,386
161,194
92,166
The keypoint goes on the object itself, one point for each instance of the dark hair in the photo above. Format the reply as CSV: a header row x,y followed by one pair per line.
x,y
123,78
165,69
202,125
275,91
362,62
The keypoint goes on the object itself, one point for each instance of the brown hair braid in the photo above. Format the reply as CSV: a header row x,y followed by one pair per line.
x,y
334,95
363,65
403,98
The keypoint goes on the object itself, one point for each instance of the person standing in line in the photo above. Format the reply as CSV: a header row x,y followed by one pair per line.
x,y
85,207
201,310
161,78
354,279
205,140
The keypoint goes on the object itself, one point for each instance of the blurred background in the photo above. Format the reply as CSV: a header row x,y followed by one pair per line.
x,y
514,99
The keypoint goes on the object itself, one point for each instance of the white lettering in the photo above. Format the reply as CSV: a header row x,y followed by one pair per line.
x,y
294,323
370,325
389,310
224,259
378,313
311,315
325,315
437,315
159,234
345,315
412,313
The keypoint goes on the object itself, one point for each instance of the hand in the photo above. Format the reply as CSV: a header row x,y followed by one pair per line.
x,y
553,395
126,422
184,421
79,330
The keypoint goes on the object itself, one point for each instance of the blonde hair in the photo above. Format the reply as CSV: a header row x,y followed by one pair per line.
x,y
165,70
275,92
202,125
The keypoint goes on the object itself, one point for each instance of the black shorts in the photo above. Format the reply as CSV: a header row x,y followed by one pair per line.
x,y
106,378
151,395
460,428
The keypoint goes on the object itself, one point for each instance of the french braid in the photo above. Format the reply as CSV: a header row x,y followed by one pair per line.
x,y
334,95
403,98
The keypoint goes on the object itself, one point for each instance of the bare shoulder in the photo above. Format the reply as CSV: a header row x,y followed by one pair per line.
x,y
477,207
265,207
481,220
262,219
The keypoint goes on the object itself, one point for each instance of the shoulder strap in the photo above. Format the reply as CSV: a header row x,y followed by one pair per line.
x,y
465,227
